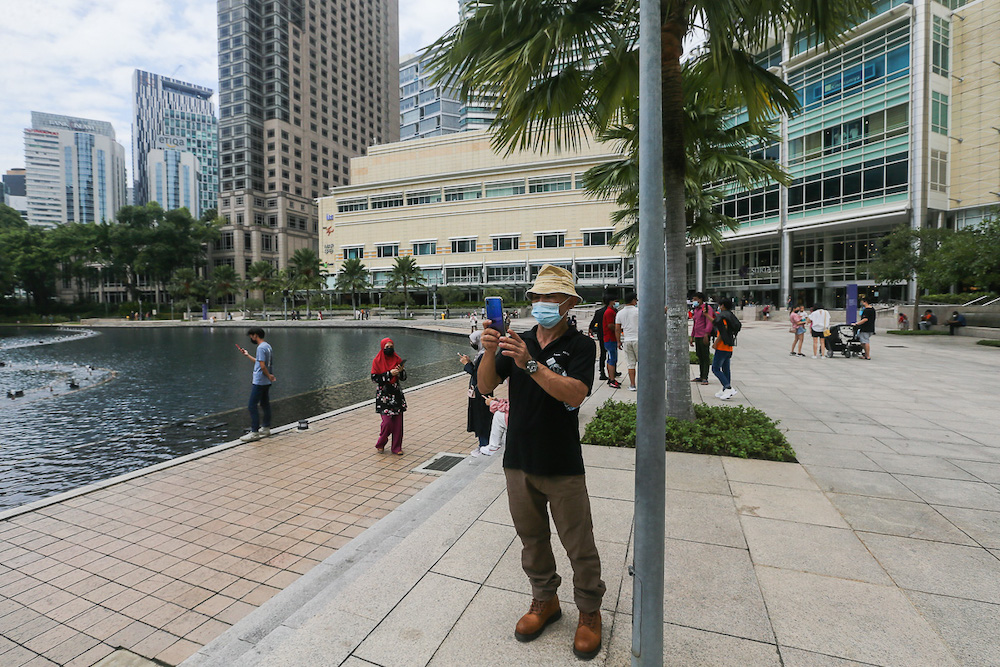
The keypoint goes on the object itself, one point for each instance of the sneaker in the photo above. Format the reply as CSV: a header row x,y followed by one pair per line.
x,y
618,374
474,452
719,393
696,380
252,436
792,353
799,354
632,388
729,393
265,431
614,384
815,357
485,451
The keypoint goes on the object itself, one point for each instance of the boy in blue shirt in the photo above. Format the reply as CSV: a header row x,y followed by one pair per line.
x,y
261,387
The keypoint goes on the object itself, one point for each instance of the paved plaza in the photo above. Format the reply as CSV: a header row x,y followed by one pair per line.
x,y
881,548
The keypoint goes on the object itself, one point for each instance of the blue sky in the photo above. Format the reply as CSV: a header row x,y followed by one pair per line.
x,y
76,57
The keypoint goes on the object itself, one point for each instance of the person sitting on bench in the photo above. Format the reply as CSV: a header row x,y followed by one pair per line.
x,y
928,320
957,320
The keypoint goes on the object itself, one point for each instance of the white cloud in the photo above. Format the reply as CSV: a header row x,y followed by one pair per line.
x,y
423,21
76,57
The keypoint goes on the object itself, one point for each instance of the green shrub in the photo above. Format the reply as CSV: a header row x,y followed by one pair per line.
x,y
694,358
917,332
964,297
989,343
718,430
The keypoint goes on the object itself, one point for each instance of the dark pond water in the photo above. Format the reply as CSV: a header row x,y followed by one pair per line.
x,y
149,395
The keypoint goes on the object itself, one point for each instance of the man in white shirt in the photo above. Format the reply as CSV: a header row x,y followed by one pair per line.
x,y
627,328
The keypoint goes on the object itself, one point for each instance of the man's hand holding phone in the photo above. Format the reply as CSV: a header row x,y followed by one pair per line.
x,y
491,337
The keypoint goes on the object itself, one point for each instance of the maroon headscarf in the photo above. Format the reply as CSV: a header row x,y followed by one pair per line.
x,y
383,363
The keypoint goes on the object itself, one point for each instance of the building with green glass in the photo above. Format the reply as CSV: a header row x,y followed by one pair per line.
x,y
899,124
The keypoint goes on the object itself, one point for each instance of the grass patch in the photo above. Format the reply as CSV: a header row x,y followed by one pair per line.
x,y
694,358
718,430
989,343
918,332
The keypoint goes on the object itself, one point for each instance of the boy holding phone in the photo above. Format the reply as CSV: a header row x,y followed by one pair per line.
x,y
260,388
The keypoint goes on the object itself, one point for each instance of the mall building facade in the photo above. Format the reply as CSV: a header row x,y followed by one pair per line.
x,y
471,218
899,125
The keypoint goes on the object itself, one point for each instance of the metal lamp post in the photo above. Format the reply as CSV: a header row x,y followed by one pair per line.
x,y
650,454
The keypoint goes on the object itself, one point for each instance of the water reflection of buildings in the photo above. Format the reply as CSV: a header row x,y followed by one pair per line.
x,y
894,129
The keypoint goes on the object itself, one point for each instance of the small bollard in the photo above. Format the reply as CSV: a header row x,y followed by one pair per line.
x,y
303,424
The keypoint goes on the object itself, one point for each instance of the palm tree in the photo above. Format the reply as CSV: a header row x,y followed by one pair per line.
x,y
225,283
556,67
353,278
405,274
187,287
260,278
305,272
718,153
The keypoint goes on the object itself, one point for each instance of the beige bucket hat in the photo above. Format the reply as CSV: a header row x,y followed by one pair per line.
x,y
553,280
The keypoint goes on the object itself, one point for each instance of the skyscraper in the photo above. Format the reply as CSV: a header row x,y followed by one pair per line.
x,y
74,168
426,109
304,86
175,145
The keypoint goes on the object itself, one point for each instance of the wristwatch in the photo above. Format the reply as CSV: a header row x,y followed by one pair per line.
x,y
531,367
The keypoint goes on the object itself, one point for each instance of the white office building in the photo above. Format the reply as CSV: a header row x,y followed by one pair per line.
x,y
75,170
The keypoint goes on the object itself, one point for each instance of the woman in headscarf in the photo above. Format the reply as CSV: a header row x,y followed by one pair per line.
x,y
387,372
480,419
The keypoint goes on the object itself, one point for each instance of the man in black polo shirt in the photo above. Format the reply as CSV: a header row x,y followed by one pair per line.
x,y
551,372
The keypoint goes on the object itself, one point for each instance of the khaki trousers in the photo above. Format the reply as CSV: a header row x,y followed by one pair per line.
x,y
530,496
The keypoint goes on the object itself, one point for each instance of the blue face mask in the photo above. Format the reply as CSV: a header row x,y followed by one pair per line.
x,y
547,314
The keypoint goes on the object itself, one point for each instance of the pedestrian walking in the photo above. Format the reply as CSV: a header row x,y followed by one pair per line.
x,y
479,419
260,388
388,370
627,332
725,328
819,325
611,340
702,323
596,329
798,321
473,321
551,371
866,327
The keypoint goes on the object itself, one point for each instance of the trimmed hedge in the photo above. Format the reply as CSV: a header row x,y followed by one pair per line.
x,y
694,358
989,343
718,430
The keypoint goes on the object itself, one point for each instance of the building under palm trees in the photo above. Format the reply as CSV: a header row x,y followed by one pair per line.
x,y
471,218
895,128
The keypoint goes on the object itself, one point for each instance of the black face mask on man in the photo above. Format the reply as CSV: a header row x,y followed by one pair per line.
x,y
389,351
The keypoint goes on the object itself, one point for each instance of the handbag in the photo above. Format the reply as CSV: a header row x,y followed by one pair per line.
x,y
826,333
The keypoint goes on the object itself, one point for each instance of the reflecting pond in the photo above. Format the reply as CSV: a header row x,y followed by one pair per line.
x,y
99,403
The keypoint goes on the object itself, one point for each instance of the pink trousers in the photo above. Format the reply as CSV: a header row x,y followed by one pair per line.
x,y
391,425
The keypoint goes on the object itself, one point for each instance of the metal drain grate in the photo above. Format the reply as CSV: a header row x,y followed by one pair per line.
x,y
901,346
439,464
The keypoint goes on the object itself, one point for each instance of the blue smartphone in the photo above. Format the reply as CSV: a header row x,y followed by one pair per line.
x,y
494,312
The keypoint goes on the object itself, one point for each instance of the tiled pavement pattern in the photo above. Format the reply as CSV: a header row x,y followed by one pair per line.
x,y
164,563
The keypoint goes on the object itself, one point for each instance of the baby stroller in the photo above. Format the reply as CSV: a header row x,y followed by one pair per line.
x,y
843,339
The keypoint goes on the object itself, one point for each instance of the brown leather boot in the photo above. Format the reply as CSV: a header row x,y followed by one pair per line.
x,y
587,642
541,614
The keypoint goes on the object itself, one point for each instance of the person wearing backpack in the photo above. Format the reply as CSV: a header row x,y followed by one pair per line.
x,y
725,328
